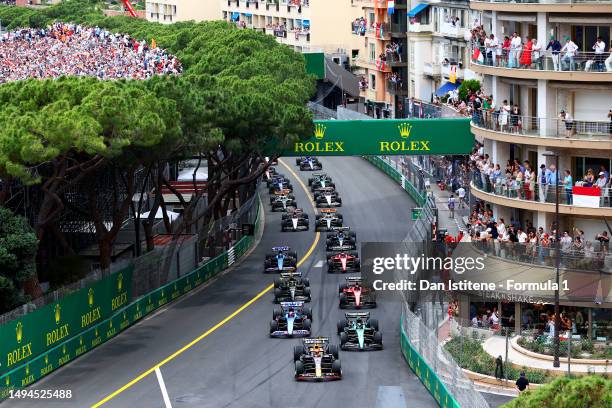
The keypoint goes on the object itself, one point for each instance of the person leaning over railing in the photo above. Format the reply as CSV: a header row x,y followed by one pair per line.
x,y
555,46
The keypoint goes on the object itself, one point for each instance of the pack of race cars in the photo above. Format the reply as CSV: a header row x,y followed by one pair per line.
x,y
316,358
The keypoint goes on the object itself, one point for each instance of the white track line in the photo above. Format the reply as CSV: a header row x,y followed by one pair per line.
x,y
164,391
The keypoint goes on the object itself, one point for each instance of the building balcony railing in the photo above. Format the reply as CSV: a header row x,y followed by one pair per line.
x,y
577,6
449,30
397,87
590,257
376,64
432,69
446,71
543,64
536,193
420,28
379,30
371,3
545,131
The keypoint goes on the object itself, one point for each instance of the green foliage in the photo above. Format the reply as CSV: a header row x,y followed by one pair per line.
x,y
590,391
18,246
542,345
469,354
468,85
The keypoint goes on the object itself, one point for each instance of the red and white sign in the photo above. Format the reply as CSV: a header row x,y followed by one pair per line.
x,y
586,196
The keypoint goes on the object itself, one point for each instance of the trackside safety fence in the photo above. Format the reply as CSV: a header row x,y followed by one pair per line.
x,y
404,179
31,367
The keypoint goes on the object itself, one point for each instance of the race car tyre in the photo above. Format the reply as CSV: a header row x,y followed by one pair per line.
x,y
353,235
273,326
374,324
308,312
306,281
307,292
298,161
299,368
377,337
277,293
307,324
297,352
277,283
342,287
276,314
342,300
333,350
343,338
340,217
354,253
341,325
357,266
293,255
336,367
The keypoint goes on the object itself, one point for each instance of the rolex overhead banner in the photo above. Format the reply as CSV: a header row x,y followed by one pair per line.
x,y
382,137
35,333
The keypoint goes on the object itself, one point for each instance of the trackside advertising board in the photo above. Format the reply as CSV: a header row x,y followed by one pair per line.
x,y
39,331
382,137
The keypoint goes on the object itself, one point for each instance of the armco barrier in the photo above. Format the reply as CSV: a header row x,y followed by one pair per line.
x,y
118,320
417,196
425,373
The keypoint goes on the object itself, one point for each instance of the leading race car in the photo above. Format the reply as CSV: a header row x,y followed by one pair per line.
x,y
341,239
317,360
343,262
295,220
282,201
308,163
353,295
292,320
359,333
283,259
279,183
291,287
319,181
328,219
327,198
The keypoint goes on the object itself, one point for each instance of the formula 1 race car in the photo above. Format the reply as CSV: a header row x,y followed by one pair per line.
x,y
353,295
341,239
282,201
319,181
308,163
283,259
292,320
317,360
359,333
291,287
328,219
343,262
327,198
295,220
279,183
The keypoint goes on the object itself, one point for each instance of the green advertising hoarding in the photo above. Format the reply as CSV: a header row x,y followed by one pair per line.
x,y
382,138
41,330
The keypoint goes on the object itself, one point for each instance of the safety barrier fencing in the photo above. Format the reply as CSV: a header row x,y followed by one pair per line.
x,y
47,339
404,179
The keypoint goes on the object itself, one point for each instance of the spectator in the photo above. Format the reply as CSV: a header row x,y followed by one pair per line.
x,y
451,206
604,241
568,61
600,49
555,46
537,53
568,184
515,49
569,123
525,59
522,383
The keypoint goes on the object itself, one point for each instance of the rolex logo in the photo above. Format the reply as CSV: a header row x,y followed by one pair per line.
x,y
19,332
90,299
404,129
119,282
58,315
319,131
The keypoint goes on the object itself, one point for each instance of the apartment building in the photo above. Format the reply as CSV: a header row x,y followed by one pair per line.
x,y
171,11
437,46
561,105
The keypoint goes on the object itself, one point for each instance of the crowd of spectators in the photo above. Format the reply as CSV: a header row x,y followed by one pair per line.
x,y
393,52
280,30
514,52
74,50
360,26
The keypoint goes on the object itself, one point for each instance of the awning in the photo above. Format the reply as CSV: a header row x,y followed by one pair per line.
x,y
444,89
306,23
235,16
248,14
419,7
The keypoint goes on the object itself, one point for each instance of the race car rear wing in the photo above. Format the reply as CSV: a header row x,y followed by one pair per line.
x,y
353,279
328,210
280,248
296,211
316,340
340,228
356,315
285,305
284,191
319,175
291,274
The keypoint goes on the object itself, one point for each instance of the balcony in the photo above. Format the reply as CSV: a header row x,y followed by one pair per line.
x,y
373,64
549,6
432,69
379,31
586,66
420,28
454,31
445,71
398,29
549,132
397,88
510,192
371,3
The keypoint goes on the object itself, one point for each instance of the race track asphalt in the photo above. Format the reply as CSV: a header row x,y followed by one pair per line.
x,y
238,365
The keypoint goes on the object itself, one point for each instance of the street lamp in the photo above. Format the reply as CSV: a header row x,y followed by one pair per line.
x,y
556,362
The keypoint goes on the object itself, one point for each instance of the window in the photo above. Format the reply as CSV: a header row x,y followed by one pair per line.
x,y
373,82
585,36
372,52
269,19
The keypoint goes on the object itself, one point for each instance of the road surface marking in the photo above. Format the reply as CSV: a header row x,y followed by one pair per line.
x,y
224,321
164,391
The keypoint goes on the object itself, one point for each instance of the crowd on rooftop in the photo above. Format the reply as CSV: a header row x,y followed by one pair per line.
x,y
74,50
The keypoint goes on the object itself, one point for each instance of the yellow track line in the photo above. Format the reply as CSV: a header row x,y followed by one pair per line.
x,y
228,318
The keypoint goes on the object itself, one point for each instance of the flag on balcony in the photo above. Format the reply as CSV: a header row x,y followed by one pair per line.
x,y
452,77
586,196
391,6
380,64
477,56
